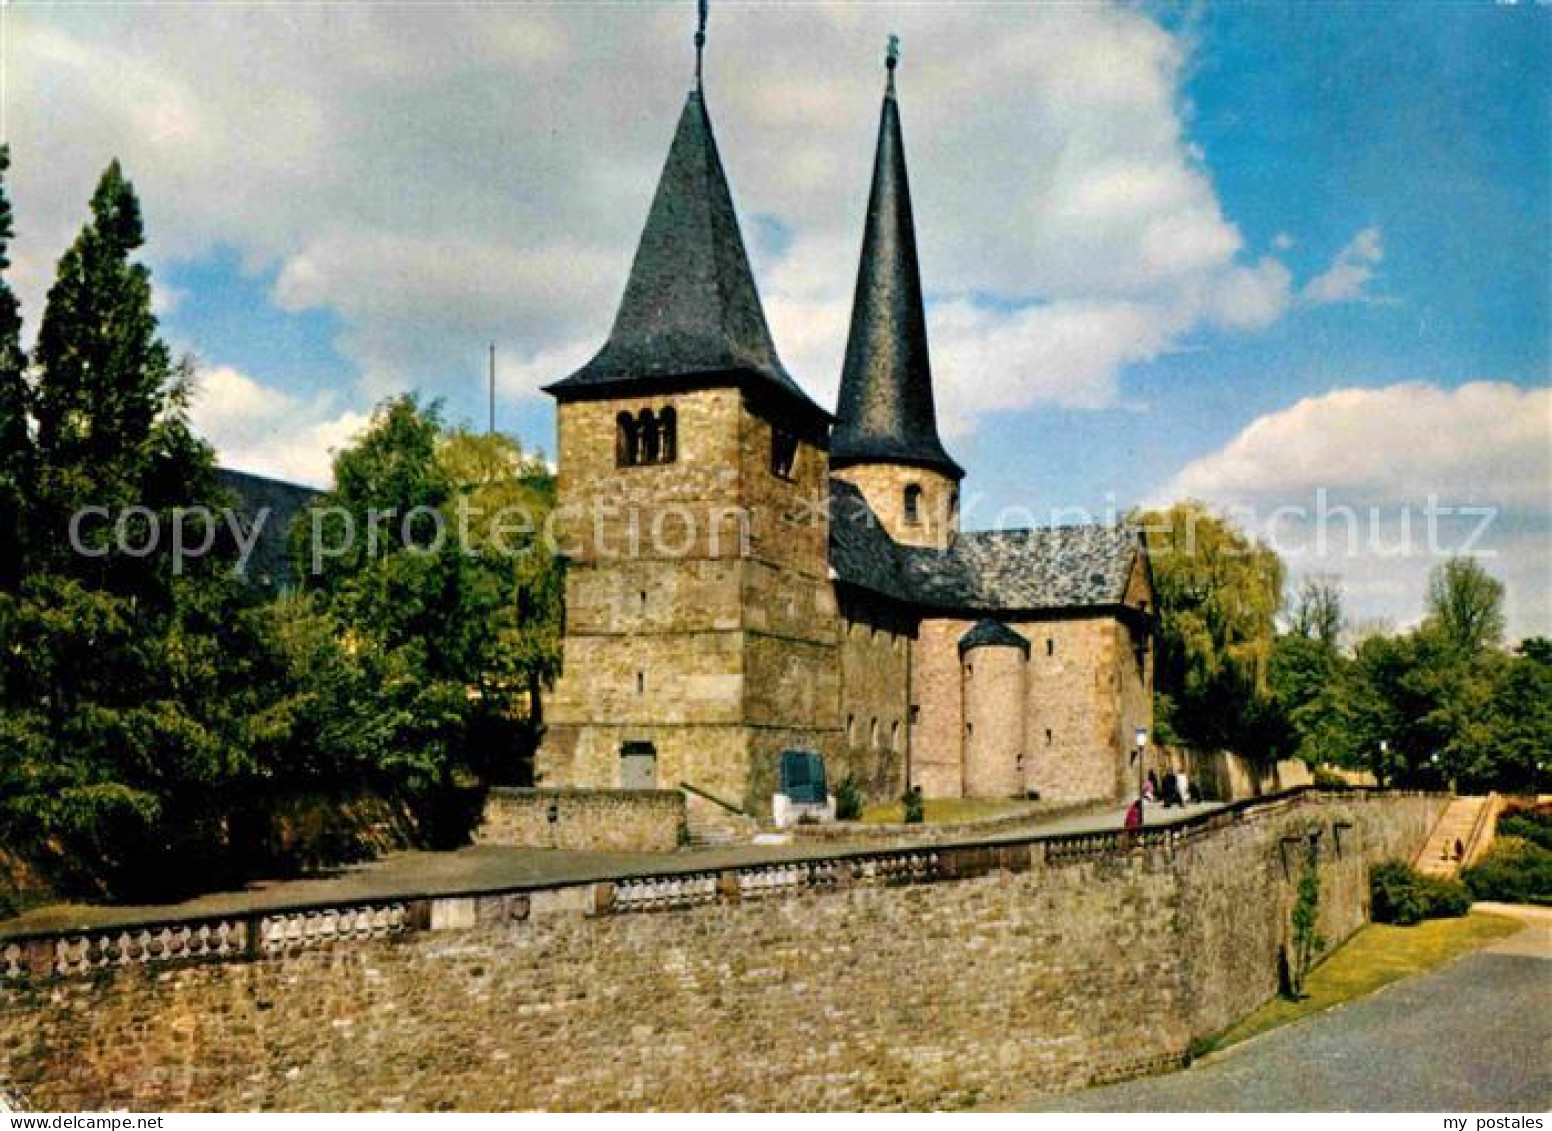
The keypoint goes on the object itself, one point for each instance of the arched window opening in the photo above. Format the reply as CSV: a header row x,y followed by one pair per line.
x,y
668,435
873,733
784,454
913,495
625,440
894,737
646,437
646,427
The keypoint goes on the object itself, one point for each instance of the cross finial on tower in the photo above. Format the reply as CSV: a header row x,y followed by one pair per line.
x,y
700,40
892,59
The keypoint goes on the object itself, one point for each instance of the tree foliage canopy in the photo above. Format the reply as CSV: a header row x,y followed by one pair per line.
x,y
154,720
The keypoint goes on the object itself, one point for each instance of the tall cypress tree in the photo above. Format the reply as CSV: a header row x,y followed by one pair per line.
x,y
15,439
109,401
102,371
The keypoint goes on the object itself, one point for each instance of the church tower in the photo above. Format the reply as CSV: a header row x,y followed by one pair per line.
x,y
885,440
700,621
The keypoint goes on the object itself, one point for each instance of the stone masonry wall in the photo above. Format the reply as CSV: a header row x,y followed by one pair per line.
x,y
994,690
699,613
937,694
616,820
884,486
1017,973
1086,693
875,660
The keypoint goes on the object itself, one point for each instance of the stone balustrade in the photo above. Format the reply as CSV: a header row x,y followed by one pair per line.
x,y
278,933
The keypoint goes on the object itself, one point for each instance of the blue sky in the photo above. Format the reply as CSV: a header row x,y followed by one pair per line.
x,y
1233,251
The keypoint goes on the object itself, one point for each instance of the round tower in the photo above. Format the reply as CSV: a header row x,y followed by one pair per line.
x,y
993,660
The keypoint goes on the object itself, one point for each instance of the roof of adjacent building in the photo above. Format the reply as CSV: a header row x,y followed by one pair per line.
x,y
691,312
991,633
277,503
886,411
1055,567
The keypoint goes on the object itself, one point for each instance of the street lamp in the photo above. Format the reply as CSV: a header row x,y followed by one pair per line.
x,y
1140,737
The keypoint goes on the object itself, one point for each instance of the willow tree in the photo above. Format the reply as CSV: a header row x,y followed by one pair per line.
x,y
1218,594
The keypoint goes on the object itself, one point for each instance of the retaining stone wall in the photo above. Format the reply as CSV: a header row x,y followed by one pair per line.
x,y
637,820
938,977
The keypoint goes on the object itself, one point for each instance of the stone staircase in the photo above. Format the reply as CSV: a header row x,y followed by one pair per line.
x,y
1465,822
710,823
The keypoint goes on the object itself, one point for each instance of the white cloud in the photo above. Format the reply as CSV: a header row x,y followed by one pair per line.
x,y
1381,484
1482,441
258,428
1355,265
442,177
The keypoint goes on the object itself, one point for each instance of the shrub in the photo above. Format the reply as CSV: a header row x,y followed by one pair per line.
x,y
1528,822
1513,870
848,800
915,807
1307,939
1400,894
1330,780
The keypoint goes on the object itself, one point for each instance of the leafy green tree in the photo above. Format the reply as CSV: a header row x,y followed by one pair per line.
x,y
1317,611
449,574
110,403
113,668
1306,670
1218,596
16,458
502,507
1465,605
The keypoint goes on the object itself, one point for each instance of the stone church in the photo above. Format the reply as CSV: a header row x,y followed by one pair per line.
x,y
748,572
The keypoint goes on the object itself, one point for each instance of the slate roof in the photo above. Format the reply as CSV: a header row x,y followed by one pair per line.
x,y
991,633
1056,567
886,410
690,313
269,566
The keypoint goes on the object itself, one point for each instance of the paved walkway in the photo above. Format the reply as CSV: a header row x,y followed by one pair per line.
x,y
1475,1035
407,875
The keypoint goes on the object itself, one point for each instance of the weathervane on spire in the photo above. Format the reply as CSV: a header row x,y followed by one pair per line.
x,y
700,40
892,59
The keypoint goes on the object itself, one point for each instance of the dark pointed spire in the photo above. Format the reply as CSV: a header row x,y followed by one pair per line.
x,y
886,413
691,313
700,39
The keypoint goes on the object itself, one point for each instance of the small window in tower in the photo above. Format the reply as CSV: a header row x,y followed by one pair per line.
x,y
641,683
851,729
873,733
625,437
913,493
784,454
1050,646
647,437
1048,736
894,737
668,436
915,714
